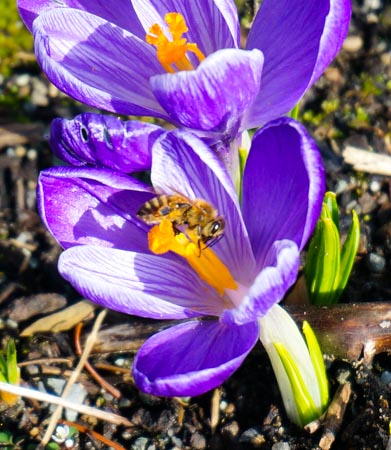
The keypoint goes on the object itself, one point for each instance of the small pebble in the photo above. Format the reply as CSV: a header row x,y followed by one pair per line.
x,y
32,154
376,263
198,441
230,429
140,444
253,437
374,186
281,446
11,324
353,44
372,4
120,362
20,151
177,442
77,394
385,377
152,447
32,370
39,95
125,402
353,204
340,186
223,405
22,80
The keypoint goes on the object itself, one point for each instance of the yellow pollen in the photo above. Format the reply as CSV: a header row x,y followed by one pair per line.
x,y
173,52
162,239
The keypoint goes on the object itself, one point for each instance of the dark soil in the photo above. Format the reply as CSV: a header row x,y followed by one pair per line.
x,y
350,105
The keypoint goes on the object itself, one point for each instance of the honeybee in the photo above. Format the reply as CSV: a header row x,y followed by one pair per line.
x,y
200,218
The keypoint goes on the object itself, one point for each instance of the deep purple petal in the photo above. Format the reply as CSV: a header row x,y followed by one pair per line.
x,y
288,32
143,285
335,31
119,12
183,164
104,141
283,186
97,62
278,274
215,96
192,358
212,24
92,206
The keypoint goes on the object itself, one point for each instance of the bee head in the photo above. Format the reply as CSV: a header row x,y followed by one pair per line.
x,y
215,228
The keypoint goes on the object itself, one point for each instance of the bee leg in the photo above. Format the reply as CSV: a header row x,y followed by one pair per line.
x,y
199,240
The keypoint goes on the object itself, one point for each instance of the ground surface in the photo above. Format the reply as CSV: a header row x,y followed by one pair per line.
x,y
350,105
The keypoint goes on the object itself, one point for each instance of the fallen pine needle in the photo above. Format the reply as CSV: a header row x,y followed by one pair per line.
x,y
82,409
75,375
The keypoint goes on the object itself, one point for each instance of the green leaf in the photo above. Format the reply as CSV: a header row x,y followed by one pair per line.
x,y
243,154
318,363
6,438
13,372
3,366
3,378
323,262
304,403
294,113
348,253
330,200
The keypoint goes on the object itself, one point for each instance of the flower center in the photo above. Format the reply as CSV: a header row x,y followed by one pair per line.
x,y
162,239
172,53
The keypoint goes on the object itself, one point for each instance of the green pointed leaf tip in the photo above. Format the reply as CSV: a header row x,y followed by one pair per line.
x,y
243,154
328,267
294,113
13,372
349,250
318,363
330,202
305,405
323,263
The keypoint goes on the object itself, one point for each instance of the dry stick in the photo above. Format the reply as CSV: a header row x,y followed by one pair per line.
x,y
82,409
83,429
87,350
215,409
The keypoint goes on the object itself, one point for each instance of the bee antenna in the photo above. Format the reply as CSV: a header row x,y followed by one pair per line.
x,y
214,241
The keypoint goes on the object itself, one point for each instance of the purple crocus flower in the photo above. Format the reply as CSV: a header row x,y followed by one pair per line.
x,y
135,57
220,291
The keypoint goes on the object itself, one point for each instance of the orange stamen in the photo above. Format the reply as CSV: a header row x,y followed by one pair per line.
x,y
162,239
172,53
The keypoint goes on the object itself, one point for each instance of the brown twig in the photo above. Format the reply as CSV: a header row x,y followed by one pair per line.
x,y
107,386
94,434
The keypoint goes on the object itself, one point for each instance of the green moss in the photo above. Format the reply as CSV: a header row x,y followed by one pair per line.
x,y
371,85
330,106
15,39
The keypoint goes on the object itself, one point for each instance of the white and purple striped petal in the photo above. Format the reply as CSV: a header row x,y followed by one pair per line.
x,y
120,12
209,352
94,207
97,62
139,284
104,141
